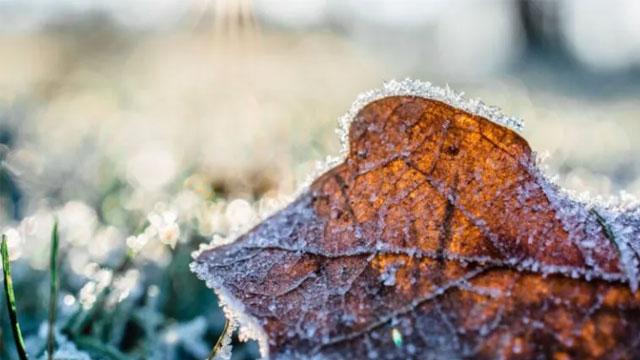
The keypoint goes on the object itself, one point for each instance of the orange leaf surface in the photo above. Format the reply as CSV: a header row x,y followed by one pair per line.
x,y
436,237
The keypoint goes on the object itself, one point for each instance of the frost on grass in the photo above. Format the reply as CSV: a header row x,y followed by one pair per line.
x,y
65,349
437,235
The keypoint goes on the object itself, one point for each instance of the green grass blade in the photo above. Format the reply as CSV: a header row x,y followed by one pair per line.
x,y
11,301
53,293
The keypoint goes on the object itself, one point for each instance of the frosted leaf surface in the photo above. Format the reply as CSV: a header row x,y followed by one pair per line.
x,y
436,236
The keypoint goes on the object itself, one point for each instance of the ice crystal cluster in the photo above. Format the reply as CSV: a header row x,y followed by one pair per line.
x,y
117,289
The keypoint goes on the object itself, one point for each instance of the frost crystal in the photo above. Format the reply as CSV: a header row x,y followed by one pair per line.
x,y
425,90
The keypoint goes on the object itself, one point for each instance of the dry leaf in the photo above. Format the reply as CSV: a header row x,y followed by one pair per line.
x,y
436,237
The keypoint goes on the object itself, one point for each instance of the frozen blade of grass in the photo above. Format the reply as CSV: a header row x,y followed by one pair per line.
x,y
85,317
11,301
79,321
53,296
221,341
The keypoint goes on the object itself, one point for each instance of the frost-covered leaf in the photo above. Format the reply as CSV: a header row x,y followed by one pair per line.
x,y
436,237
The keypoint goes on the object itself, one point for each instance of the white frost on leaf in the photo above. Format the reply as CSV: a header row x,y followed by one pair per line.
x,y
409,87
622,213
623,238
234,310
619,218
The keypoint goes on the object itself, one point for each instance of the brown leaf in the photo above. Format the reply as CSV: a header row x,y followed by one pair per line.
x,y
437,237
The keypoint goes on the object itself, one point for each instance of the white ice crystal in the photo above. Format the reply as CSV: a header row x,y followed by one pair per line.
x,y
122,286
90,291
165,225
15,243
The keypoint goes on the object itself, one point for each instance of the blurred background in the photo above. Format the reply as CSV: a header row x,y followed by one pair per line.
x,y
149,127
